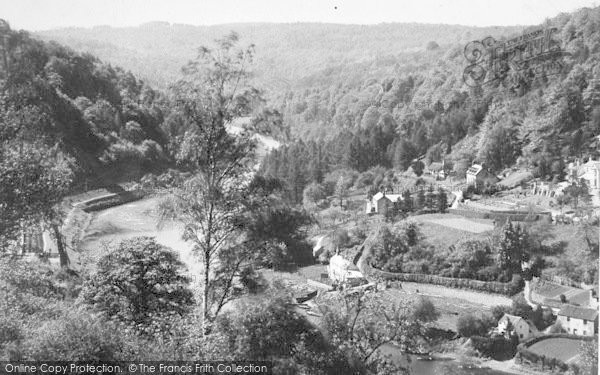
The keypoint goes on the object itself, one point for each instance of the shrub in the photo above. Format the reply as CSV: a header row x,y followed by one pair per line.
x,y
557,328
425,311
77,336
122,152
363,180
499,311
341,238
151,152
498,347
312,194
133,132
137,281
10,330
249,337
469,325
332,179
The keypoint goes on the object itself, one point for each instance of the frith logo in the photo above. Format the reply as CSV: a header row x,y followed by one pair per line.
x,y
514,61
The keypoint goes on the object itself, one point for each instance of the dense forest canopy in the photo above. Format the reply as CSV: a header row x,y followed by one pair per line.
x,y
358,97
285,53
100,114
389,112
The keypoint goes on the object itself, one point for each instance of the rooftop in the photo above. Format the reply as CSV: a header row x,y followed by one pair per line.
x,y
578,312
392,197
436,167
512,318
474,169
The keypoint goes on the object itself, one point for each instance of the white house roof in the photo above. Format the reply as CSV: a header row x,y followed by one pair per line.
x,y
391,197
578,312
354,274
342,263
474,169
588,167
512,318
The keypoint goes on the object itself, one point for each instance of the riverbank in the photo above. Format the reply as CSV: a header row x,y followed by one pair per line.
x,y
509,367
140,218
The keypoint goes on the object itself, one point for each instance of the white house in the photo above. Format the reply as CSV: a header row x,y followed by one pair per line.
x,y
342,271
381,202
594,298
590,173
521,327
478,176
437,170
578,320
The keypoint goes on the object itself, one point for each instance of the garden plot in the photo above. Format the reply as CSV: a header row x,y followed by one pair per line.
x,y
460,223
554,291
564,349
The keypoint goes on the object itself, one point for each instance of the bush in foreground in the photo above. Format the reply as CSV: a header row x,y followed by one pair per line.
x,y
138,281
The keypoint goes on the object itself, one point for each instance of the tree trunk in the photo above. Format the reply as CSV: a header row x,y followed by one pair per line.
x,y
22,238
62,253
205,308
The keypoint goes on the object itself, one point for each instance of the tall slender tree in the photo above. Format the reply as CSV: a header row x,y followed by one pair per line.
x,y
213,92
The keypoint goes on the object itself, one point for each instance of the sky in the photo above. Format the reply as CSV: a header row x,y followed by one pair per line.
x,y
38,15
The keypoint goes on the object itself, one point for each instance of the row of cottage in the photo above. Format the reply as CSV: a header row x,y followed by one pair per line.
x,y
574,320
581,319
579,316
477,175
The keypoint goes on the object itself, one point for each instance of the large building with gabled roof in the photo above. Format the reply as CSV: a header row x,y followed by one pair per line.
x,y
578,320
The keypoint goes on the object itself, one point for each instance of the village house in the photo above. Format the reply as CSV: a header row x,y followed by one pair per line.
x,y
521,327
381,202
594,298
578,320
479,176
436,170
588,172
342,271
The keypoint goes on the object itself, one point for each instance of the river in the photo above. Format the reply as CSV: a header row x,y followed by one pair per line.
x,y
449,367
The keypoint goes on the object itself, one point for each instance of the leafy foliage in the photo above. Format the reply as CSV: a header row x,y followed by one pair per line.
x,y
469,325
137,282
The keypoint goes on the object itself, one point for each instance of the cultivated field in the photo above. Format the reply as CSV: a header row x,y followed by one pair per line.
x,y
566,350
442,230
551,290
462,223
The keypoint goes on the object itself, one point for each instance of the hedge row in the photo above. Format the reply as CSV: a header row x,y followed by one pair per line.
x,y
495,215
507,289
113,200
537,339
498,347
524,353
